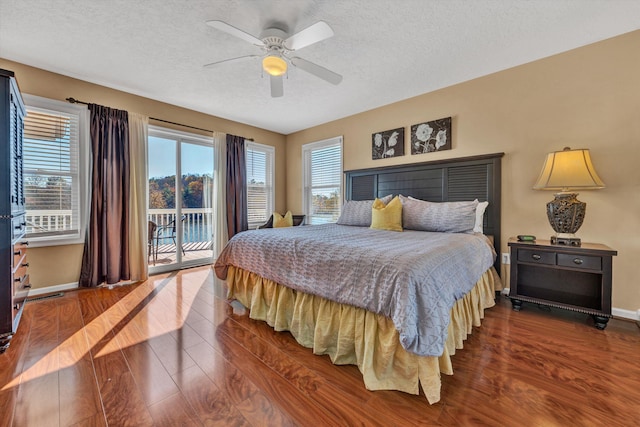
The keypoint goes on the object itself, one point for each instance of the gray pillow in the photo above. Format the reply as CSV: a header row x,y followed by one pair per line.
x,y
358,212
448,217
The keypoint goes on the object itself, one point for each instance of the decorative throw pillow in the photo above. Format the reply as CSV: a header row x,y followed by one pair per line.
x,y
280,221
387,217
358,212
449,217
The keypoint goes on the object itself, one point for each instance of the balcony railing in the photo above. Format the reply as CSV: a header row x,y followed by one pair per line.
x,y
45,221
197,225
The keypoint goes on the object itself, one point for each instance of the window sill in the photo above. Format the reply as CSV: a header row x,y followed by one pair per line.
x,y
35,242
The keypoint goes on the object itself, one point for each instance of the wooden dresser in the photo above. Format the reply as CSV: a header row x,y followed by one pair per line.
x,y
14,280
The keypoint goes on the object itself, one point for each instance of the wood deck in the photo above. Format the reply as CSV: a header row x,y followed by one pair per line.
x,y
193,250
188,247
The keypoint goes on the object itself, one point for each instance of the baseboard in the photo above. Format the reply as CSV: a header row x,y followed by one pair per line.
x,y
617,312
625,314
68,287
52,289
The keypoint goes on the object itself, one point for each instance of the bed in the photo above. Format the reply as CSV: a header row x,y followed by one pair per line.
x,y
372,297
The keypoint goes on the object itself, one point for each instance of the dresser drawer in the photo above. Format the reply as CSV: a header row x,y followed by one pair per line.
x,y
20,270
19,254
21,283
536,257
20,292
587,262
18,226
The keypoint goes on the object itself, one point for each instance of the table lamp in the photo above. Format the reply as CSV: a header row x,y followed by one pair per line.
x,y
567,170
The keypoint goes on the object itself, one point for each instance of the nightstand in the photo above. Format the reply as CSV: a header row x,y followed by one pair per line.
x,y
568,277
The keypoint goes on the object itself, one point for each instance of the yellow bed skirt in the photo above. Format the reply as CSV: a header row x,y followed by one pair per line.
x,y
355,336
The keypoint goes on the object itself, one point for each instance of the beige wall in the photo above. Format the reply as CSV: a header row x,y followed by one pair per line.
x,y
586,98
61,264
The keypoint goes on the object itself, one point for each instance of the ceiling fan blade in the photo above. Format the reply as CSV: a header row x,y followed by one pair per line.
x,y
317,70
230,29
310,35
277,89
237,59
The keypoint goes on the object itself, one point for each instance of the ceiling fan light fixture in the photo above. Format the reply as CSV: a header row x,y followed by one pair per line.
x,y
274,65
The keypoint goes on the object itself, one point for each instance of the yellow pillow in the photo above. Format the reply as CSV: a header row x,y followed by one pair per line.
x,y
280,221
387,217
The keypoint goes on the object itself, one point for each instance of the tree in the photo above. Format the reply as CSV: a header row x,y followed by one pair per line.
x,y
47,192
162,191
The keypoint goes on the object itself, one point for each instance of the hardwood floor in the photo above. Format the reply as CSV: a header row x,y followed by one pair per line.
x,y
173,351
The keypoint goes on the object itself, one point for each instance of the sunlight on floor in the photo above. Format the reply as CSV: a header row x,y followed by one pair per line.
x,y
149,303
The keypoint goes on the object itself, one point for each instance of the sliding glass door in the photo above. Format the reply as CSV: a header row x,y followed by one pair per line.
x,y
180,206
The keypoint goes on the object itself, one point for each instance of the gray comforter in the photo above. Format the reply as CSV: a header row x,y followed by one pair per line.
x,y
412,277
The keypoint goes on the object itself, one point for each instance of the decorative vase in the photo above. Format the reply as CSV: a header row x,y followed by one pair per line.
x,y
566,213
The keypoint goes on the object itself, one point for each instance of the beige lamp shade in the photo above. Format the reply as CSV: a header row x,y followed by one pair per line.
x,y
568,170
274,65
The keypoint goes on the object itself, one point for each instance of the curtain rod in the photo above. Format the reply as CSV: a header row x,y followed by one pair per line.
x,y
75,101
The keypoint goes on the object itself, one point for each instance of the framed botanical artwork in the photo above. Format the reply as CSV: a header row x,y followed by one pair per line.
x,y
389,143
431,136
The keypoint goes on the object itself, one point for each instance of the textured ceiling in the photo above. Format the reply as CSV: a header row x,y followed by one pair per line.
x,y
386,50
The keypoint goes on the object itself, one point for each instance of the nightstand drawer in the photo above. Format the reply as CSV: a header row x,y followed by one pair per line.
x,y
539,257
580,261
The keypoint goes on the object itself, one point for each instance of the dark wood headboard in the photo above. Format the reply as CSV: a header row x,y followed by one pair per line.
x,y
450,180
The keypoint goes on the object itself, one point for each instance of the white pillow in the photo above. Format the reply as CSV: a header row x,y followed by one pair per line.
x,y
482,206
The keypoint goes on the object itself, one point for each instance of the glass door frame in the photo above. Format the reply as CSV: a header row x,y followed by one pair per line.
x,y
180,137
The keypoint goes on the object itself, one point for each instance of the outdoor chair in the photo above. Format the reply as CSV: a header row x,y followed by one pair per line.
x,y
151,247
168,231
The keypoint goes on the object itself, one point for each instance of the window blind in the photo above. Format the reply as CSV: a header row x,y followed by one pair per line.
x,y
259,161
51,176
323,171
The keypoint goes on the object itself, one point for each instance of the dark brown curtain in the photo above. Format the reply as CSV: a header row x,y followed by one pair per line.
x,y
237,219
106,247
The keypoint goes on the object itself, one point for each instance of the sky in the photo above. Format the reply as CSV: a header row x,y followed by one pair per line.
x,y
196,159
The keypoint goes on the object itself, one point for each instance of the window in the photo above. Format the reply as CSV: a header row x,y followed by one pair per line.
x,y
259,183
322,172
55,144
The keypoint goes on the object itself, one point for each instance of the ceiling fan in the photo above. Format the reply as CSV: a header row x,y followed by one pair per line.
x,y
278,49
